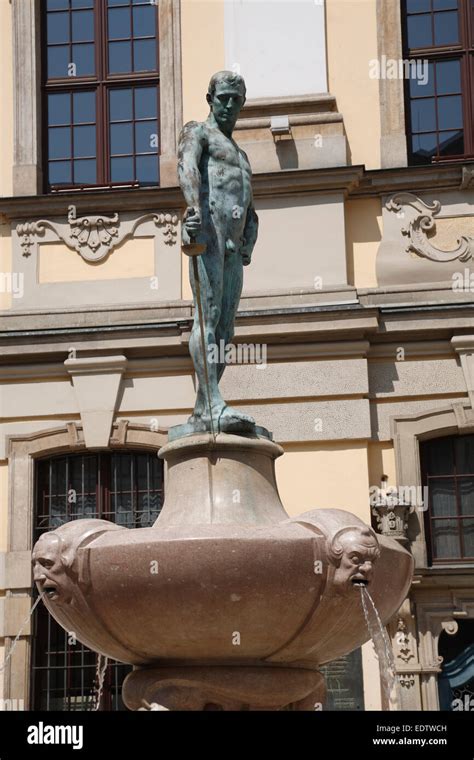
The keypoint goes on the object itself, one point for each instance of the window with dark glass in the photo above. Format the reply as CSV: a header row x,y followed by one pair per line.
x,y
448,473
440,106
124,487
101,92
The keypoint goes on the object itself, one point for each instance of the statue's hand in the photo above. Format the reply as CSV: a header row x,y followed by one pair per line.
x,y
192,221
246,255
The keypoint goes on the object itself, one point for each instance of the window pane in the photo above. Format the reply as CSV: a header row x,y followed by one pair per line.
x,y
445,536
145,102
85,173
423,115
466,494
438,456
120,57
442,5
424,85
58,27
443,497
451,143
121,169
119,2
448,77
119,23
450,112
424,147
144,52
146,137
58,60
121,139
57,5
147,169
120,104
83,57
419,31
59,142
83,26
464,450
468,537
84,107
446,28
60,172
144,21
418,6
84,142
59,108
82,3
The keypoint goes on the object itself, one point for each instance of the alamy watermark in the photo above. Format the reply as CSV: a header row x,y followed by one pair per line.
x,y
242,353
399,68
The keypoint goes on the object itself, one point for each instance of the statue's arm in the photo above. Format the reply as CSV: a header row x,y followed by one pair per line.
x,y
190,147
250,234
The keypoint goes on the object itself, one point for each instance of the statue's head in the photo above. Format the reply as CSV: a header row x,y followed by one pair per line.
x,y
226,96
353,551
51,566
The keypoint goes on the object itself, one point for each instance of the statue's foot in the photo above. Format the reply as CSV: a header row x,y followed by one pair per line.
x,y
232,421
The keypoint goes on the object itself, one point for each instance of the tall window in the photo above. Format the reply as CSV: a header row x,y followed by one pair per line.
x,y
101,92
440,105
124,487
448,470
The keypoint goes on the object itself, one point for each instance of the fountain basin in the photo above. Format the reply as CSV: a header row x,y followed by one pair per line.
x,y
219,581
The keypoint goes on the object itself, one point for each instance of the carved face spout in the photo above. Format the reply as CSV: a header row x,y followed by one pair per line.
x,y
355,552
50,571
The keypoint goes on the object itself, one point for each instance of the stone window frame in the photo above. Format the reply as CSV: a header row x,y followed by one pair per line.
x,y
393,138
437,611
27,108
407,431
16,604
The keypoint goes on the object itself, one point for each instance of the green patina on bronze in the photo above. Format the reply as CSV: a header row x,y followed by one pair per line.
x,y
221,223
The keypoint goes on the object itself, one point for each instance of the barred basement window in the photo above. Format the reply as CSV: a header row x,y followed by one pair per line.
x,y
124,487
440,107
101,92
448,472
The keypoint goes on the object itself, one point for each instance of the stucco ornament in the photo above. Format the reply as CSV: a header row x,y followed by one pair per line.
x,y
94,237
424,223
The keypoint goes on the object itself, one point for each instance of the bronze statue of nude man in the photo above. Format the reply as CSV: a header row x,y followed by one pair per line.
x,y
216,180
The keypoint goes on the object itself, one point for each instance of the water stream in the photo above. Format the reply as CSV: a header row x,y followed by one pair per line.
x,y
101,667
383,651
17,637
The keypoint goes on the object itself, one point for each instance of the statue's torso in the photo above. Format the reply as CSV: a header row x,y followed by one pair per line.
x,y
226,182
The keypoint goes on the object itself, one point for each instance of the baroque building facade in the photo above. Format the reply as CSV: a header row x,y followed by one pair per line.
x,y
358,305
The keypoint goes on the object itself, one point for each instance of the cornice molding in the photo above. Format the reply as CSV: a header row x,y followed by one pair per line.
x,y
354,181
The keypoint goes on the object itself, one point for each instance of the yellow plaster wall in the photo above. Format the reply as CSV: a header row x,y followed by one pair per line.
x,y
5,263
58,263
6,98
351,28
324,475
363,235
202,38
3,505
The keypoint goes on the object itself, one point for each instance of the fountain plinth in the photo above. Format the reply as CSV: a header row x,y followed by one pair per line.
x,y
226,602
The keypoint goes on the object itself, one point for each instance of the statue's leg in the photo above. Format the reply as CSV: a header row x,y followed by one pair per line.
x,y
210,268
231,419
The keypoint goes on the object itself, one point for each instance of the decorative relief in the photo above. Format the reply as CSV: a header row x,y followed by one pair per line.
x,y
407,680
404,652
94,237
424,223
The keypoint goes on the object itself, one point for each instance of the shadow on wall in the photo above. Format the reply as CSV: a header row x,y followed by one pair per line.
x,y
286,153
363,236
